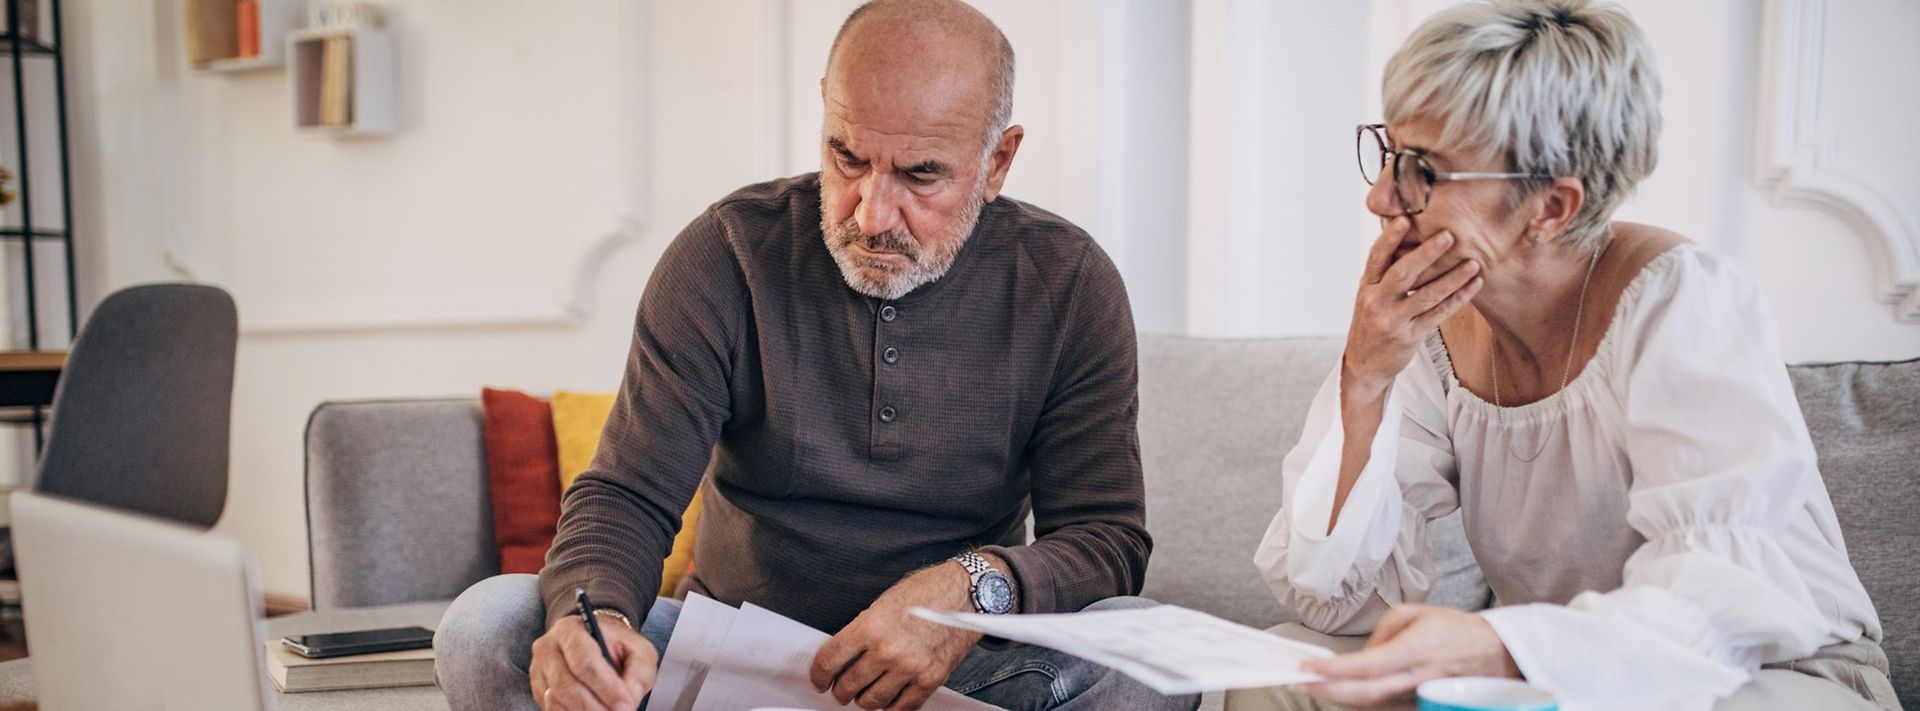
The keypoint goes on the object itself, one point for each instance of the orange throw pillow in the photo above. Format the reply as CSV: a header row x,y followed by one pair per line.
x,y
522,464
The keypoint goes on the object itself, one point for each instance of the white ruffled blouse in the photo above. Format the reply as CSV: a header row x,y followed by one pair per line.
x,y
1672,535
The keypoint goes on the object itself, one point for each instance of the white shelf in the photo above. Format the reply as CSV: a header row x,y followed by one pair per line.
x,y
370,89
239,64
213,42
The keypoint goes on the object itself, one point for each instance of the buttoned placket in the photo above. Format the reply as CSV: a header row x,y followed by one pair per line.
x,y
887,411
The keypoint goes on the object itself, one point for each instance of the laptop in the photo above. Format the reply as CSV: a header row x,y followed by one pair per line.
x,y
126,611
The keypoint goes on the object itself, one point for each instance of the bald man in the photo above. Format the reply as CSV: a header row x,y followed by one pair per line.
x,y
873,374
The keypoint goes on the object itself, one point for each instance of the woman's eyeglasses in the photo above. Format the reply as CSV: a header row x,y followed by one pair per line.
x,y
1413,177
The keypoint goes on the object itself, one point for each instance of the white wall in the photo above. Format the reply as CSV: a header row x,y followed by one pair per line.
x,y
546,156
440,260
1818,270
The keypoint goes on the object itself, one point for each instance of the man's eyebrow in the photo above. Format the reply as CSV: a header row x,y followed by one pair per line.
x,y
926,166
842,149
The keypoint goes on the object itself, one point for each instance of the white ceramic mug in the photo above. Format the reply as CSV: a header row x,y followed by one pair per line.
x,y
1470,693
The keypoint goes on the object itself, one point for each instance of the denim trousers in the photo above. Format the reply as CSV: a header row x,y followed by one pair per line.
x,y
485,644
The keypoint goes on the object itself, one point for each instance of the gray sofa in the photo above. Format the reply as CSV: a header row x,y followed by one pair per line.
x,y
397,505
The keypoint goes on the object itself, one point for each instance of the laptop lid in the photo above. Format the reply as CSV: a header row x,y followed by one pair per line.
x,y
126,611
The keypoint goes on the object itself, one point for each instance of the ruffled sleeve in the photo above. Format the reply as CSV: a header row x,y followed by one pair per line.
x,y
1378,554
1721,465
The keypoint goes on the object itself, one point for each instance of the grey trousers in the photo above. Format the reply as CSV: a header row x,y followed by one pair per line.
x,y
1838,677
485,644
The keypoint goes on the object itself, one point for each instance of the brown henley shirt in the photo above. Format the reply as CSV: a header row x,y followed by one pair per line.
x,y
844,442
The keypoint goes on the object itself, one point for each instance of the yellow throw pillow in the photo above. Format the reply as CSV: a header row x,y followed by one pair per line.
x,y
578,419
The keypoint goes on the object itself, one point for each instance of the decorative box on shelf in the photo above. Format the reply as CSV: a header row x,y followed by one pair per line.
x,y
27,29
342,80
238,35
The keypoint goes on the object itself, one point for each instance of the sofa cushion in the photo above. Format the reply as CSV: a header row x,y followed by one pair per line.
x,y
523,474
578,421
397,505
1865,421
1216,419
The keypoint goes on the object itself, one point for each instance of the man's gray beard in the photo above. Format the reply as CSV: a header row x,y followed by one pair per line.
x,y
927,267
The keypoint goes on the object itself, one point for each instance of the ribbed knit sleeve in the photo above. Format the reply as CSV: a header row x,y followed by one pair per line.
x,y
618,520
1084,459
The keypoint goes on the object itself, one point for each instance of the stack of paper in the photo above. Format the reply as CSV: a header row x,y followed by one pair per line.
x,y
1172,649
723,659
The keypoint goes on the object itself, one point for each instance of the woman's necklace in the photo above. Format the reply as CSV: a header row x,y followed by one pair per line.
x,y
1493,364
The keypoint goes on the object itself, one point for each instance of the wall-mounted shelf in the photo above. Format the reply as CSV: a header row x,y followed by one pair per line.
x,y
242,64
368,81
213,34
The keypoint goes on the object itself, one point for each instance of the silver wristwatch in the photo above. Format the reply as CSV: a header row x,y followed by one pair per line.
x,y
990,589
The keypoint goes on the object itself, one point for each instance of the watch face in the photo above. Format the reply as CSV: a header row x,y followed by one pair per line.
x,y
994,595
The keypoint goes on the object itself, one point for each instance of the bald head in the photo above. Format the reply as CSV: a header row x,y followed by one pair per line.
x,y
915,142
931,51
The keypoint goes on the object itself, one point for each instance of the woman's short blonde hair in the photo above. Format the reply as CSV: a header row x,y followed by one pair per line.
x,y
1560,87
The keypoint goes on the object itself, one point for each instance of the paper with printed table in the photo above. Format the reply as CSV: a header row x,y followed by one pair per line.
x,y
1172,649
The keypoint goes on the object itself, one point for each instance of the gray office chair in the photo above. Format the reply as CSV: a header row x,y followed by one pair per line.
x,y
141,417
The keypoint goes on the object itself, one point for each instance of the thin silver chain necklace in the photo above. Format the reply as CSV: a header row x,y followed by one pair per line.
x,y
1493,365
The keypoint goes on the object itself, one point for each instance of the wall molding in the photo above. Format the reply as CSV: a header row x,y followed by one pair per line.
x,y
1794,158
568,303
568,306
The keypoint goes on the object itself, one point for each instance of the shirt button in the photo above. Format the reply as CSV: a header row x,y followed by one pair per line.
x,y
887,414
892,355
888,314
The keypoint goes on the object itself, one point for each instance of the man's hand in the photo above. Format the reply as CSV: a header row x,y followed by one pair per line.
x,y
1412,644
889,659
569,674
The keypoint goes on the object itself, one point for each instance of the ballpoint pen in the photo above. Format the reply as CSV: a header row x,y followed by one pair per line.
x,y
593,626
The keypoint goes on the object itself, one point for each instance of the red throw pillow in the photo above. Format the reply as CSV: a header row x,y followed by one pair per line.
x,y
522,468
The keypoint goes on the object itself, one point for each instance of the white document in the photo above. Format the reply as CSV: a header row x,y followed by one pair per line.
x,y
722,659
703,626
1172,649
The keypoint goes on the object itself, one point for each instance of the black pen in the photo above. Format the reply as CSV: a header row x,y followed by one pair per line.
x,y
593,626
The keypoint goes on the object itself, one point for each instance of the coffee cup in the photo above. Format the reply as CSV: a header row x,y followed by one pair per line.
x,y
1484,694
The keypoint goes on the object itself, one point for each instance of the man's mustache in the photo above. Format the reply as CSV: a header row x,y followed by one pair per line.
x,y
894,241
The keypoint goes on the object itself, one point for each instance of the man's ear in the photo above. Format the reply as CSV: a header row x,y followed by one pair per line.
x,y
1002,159
1562,202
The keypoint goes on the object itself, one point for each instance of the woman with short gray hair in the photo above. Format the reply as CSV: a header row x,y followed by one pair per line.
x,y
1605,403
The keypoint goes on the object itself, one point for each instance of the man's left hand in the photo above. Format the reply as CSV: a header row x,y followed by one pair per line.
x,y
1412,644
888,658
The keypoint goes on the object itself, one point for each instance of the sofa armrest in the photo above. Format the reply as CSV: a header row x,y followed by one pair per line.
x,y
397,506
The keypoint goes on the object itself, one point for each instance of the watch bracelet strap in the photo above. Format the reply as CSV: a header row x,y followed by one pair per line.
x,y
975,564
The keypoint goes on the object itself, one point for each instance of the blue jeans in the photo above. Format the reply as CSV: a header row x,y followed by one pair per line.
x,y
485,644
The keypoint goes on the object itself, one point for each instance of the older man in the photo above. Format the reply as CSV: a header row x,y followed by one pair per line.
x,y
880,370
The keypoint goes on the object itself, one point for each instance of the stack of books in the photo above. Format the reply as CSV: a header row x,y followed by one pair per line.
x,y
247,21
13,620
336,81
293,673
